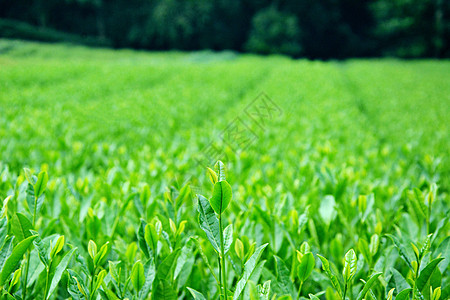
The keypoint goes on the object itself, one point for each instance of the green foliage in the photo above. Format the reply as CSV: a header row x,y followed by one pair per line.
x,y
221,196
343,195
274,32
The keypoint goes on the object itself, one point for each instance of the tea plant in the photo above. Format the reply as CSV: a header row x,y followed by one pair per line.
x,y
343,194
210,220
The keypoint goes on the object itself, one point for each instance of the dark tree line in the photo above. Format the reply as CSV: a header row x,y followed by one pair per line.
x,y
310,28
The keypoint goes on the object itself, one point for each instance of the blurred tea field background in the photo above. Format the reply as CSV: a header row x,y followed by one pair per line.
x,y
118,132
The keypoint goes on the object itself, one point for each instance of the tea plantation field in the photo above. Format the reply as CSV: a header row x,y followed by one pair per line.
x,y
334,183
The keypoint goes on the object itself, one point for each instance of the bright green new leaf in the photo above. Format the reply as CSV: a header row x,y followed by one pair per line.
x,y
374,244
92,248
41,184
221,197
436,294
29,176
99,279
183,195
306,266
151,237
349,265
16,277
211,175
305,248
58,247
390,294
228,237
101,255
76,286
426,246
219,167
138,276
239,248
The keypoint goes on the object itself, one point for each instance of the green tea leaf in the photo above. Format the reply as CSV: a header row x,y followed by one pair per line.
x,y
283,279
58,247
92,249
101,255
228,237
5,251
41,184
374,243
204,257
327,209
76,286
42,248
306,266
403,295
62,266
167,265
16,255
212,175
401,249
208,222
349,265
390,294
99,279
364,249
313,297
196,295
249,268
368,285
443,250
151,237
264,290
150,274
138,276
21,227
329,273
219,168
426,246
143,244
221,197
165,291
425,274
400,282
253,279
29,176
239,248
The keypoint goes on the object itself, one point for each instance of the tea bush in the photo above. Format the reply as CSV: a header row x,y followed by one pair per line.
x,y
341,194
